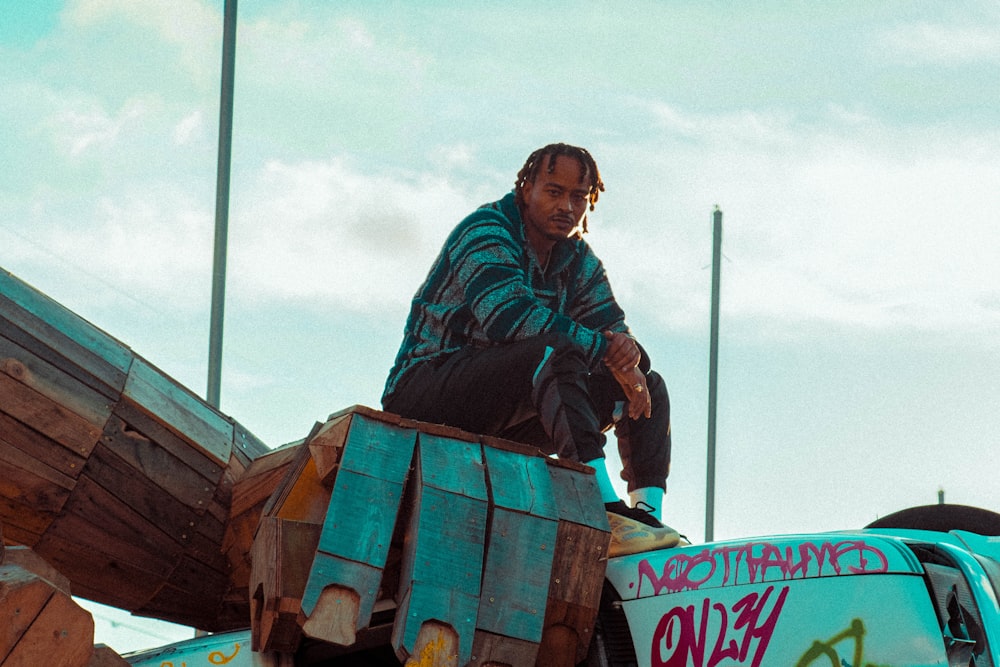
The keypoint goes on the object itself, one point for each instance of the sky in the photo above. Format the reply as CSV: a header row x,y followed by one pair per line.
x,y
852,147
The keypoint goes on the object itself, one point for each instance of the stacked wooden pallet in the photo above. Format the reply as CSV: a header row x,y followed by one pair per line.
x,y
111,471
487,552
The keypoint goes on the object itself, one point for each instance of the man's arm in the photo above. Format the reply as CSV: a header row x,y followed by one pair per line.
x,y
487,263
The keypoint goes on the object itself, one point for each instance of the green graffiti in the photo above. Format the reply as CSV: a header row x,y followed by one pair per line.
x,y
826,649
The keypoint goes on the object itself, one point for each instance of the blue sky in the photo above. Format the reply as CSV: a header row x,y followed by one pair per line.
x,y
854,148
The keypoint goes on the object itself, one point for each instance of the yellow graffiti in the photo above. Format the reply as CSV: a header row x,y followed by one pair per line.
x,y
434,652
820,649
220,658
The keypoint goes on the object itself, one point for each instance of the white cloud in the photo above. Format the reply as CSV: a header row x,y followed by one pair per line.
x,y
190,128
193,27
320,230
923,42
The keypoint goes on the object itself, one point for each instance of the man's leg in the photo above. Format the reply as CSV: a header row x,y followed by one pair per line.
x,y
493,390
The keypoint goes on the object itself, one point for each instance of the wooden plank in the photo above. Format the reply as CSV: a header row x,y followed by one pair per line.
x,y
516,576
256,486
23,595
282,554
96,354
579,499
339,598
141,492
156,451
360,519
305,498
365,496
443,557
60,635
519,480
181,411
46,416
32,480
246,443
15,435
378,449
454,466
523,527
54,382
326,444
94,575
27,559
578,564
24,525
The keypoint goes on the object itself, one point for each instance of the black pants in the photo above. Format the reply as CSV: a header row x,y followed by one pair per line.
x,y
540,392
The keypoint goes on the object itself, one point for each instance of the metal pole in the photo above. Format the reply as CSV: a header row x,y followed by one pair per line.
x,y
222,204
713,374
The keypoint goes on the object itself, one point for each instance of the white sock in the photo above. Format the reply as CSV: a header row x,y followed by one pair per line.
x,y
650,495
604,485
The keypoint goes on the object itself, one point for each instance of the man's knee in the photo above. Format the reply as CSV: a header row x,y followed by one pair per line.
x,y
657,390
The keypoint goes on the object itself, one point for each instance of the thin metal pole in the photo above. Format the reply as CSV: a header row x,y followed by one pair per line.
x,y
713,374
222,204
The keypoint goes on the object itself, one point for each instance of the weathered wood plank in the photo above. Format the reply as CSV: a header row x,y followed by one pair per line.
x,y
33,479
516,576
522,536
378,449
90,354
360,519
141,492
148,446
15,435
54,382
333,614
282,554
181,411
96,575
60,633
578,564
46,416
443,555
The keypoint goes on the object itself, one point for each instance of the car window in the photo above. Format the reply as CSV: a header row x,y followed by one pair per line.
x,y
958,614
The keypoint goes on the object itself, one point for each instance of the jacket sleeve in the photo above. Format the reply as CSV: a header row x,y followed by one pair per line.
x,y
592,302
487,260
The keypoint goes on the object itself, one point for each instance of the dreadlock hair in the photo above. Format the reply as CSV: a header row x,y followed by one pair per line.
x,y
535,161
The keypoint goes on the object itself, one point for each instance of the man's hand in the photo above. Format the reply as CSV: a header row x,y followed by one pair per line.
x,y
633,383
622,354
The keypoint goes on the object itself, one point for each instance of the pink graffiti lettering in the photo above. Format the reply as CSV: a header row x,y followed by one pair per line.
x,y
681,637
762,561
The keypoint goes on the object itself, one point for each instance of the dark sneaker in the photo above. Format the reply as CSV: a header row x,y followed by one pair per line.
x,y
634,530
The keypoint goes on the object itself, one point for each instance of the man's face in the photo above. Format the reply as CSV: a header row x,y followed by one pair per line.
x,y
555,203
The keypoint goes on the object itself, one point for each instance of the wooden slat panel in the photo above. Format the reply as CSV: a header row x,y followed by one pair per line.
x,y
142,494
32,487
95,519
156,458
378,449
54,382
454,466
360,518
92,355
95,575
282,554
47,417
180,410
39,448
578,564
518,565
443,554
